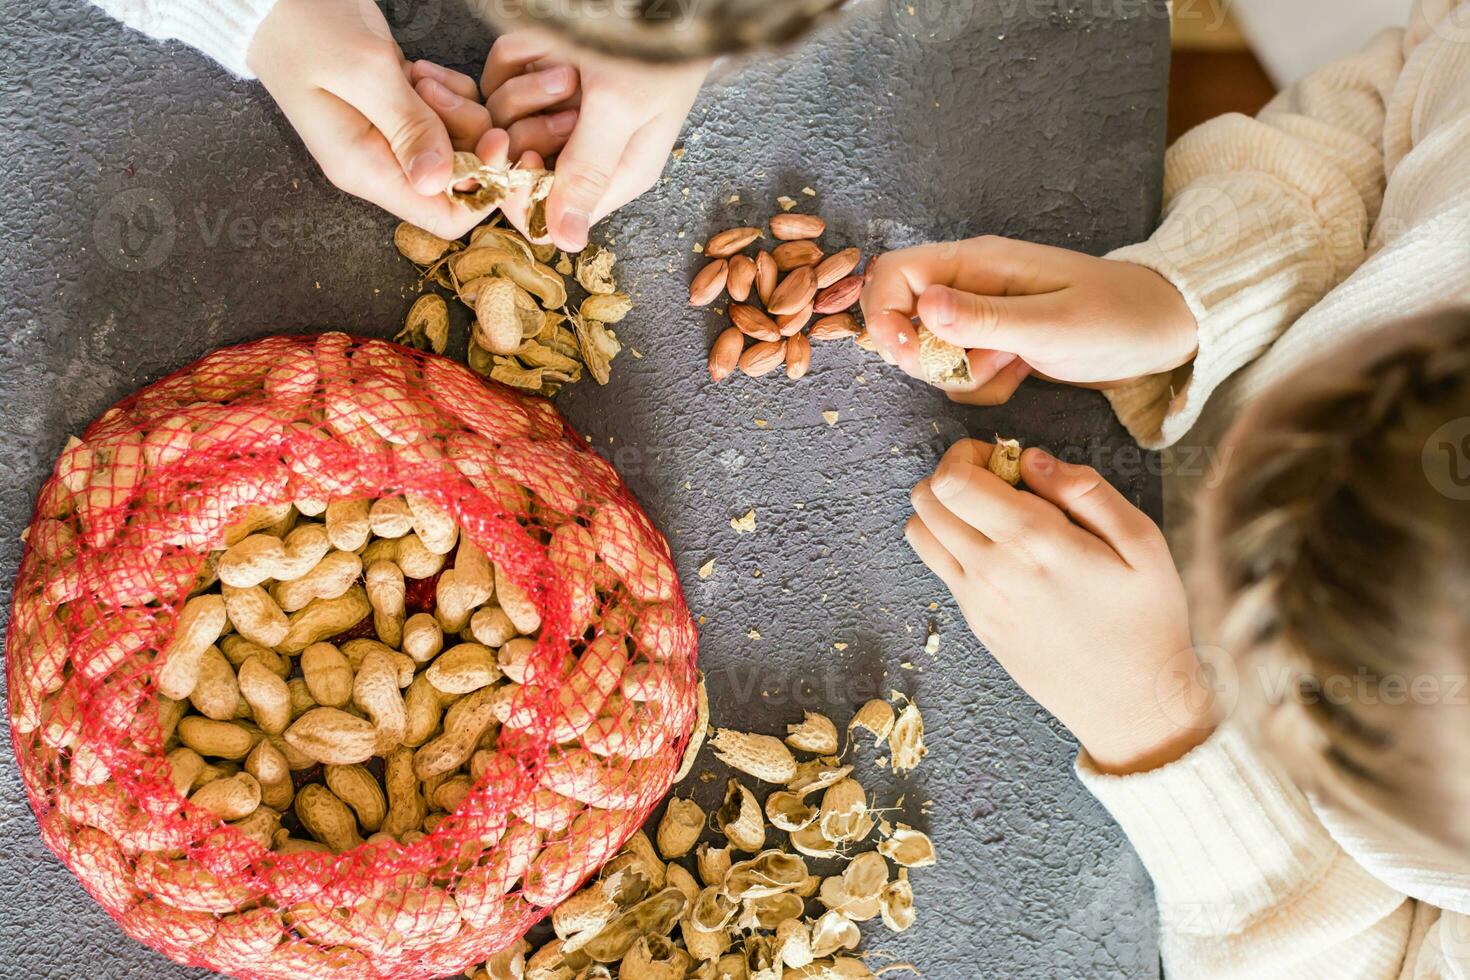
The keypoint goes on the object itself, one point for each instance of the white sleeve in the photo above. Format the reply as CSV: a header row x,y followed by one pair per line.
x,y
1248,881
222,29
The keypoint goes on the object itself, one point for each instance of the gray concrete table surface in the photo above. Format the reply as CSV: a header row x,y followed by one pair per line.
x,y
156,209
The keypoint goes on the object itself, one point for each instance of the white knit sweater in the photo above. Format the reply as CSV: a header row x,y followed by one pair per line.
x,y
1343,206
222,29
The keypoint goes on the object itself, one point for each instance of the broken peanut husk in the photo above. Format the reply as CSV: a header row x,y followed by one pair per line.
x,y
816,734
906,741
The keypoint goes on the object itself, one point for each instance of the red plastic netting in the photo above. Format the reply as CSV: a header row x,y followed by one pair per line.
x,y
486,661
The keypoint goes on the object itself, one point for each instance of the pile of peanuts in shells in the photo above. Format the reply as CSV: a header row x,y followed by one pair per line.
x,y
525,332
258,681
672,907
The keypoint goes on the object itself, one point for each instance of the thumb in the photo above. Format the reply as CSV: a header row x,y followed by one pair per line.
x,y
1091,502
415,132
584,171
975,320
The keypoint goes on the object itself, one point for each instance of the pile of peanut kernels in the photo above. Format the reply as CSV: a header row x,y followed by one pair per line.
x,y
673,908
815,284
791,283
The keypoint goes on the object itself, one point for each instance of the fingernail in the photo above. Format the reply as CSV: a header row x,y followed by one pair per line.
x,y
942,306
1042,461
944,482
556,80
421,168
1000,359
440,95
562,123
574,225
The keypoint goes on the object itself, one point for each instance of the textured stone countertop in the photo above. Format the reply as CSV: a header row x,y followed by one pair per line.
x,y
156,209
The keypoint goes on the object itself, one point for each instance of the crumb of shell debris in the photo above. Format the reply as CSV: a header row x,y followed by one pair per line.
x,y
744,525
636,353
786,203
753,633
761,423
931,645
831,417
678,153
809,192
707,569
839,646
699,246
734,199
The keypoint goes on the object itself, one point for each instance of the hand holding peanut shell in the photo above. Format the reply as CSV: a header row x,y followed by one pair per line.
x,y
455,97
1020,308
1073,591
340,79
609,123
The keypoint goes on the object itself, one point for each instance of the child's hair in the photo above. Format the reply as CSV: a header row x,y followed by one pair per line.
x,y
1335,568
664,30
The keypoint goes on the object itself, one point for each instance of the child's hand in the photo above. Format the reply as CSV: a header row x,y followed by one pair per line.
x,y
610,123
1021,308
340,79
456,98
1073,591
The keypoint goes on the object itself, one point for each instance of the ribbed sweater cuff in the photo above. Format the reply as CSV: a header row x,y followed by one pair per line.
x,y
1247,255
1219,830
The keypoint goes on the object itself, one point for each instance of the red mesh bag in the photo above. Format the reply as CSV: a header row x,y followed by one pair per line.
x,y
519,681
